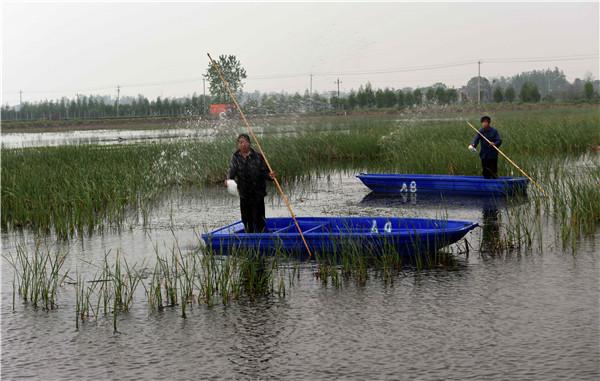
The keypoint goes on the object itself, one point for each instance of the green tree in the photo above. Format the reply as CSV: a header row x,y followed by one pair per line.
x,y
234,74
390,97
530,92
369,95
409,98
440,95
452,95
352,102
361,97
418,96
588,90
430,95
400,98
379,98
509,94
498,96
483,85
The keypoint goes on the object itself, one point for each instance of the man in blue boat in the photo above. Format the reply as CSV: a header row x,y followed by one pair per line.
x,y
249,170
487,153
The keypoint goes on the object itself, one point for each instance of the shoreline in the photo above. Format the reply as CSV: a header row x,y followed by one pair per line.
x,y
167,123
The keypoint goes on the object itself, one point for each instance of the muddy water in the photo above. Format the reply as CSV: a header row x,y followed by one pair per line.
x,y
528,315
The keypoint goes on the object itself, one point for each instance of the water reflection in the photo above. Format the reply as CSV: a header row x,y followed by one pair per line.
x,y
436,200
490,235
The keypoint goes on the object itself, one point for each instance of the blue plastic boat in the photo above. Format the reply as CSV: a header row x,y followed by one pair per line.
x,y
327,234
444,184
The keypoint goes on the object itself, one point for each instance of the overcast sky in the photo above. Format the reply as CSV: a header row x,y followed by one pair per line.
x,y
54,50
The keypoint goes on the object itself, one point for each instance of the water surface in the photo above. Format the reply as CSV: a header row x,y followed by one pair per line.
x,y
530,315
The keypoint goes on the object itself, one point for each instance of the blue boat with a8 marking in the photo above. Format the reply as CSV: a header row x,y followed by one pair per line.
x,y
441,184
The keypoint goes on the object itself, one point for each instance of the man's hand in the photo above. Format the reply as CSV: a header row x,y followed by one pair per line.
x,y
272,175
471,148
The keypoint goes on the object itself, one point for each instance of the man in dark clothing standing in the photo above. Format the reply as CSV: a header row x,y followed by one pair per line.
x,y
250,172
487,153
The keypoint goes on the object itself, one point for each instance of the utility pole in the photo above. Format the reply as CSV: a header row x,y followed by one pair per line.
x,y
20,102
310,100
203,95
118,94
78,105
338,93
479,82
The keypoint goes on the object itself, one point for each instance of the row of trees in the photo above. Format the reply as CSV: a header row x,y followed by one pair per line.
x,y
96,106
551,85
366,97
534,86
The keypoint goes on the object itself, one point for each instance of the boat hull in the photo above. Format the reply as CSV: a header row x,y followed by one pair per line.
x,y
444,184
327,234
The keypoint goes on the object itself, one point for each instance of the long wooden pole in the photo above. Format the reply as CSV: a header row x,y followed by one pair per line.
x,y
509,160
251,132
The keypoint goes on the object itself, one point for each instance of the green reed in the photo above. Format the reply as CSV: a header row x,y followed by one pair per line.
x,y
181,279
77,190
39,274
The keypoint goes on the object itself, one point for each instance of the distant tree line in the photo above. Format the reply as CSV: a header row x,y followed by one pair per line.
x,y
96,106
534,86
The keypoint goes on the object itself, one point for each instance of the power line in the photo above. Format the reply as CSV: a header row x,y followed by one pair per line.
x,y
578,57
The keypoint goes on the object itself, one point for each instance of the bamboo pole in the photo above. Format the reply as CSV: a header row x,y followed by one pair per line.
x,y
509,160
251,132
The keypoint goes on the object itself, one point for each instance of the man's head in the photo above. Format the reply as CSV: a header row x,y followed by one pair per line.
x,y
243,143
485,121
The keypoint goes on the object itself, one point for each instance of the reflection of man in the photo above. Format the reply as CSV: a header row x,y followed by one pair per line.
x,y
490,236
248,169
487,153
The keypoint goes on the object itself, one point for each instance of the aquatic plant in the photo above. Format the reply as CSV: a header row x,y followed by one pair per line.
x,y
78,190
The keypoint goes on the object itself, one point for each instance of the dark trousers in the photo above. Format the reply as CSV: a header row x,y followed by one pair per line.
x,y
253,214
490,168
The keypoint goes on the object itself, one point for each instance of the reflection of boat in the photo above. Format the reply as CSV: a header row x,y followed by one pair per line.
x,y
443,184
434,200
326,234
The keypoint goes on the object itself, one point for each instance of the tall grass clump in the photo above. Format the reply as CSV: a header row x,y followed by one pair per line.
x,y
38,274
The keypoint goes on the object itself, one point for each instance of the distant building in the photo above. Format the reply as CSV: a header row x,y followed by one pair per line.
x,y
221,109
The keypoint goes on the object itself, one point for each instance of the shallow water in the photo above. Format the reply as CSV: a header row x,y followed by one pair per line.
x,y
528,315
52,139
191,129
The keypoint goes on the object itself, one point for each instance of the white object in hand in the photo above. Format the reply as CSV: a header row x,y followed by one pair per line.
x,y
471,148
232,187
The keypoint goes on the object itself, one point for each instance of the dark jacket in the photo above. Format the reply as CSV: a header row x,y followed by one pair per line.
x,y
487,151
250,174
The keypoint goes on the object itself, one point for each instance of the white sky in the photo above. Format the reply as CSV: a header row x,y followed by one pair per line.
x,y
54,50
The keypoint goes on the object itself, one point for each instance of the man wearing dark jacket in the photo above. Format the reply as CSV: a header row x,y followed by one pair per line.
x,y
487,153
250,172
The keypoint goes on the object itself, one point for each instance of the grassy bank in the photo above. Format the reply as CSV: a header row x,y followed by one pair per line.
x,y
330,116
80,189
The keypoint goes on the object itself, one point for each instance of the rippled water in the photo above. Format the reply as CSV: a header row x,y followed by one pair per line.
x,y
529,315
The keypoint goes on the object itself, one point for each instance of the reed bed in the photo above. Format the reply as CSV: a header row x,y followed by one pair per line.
x,y
183,280
76,190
